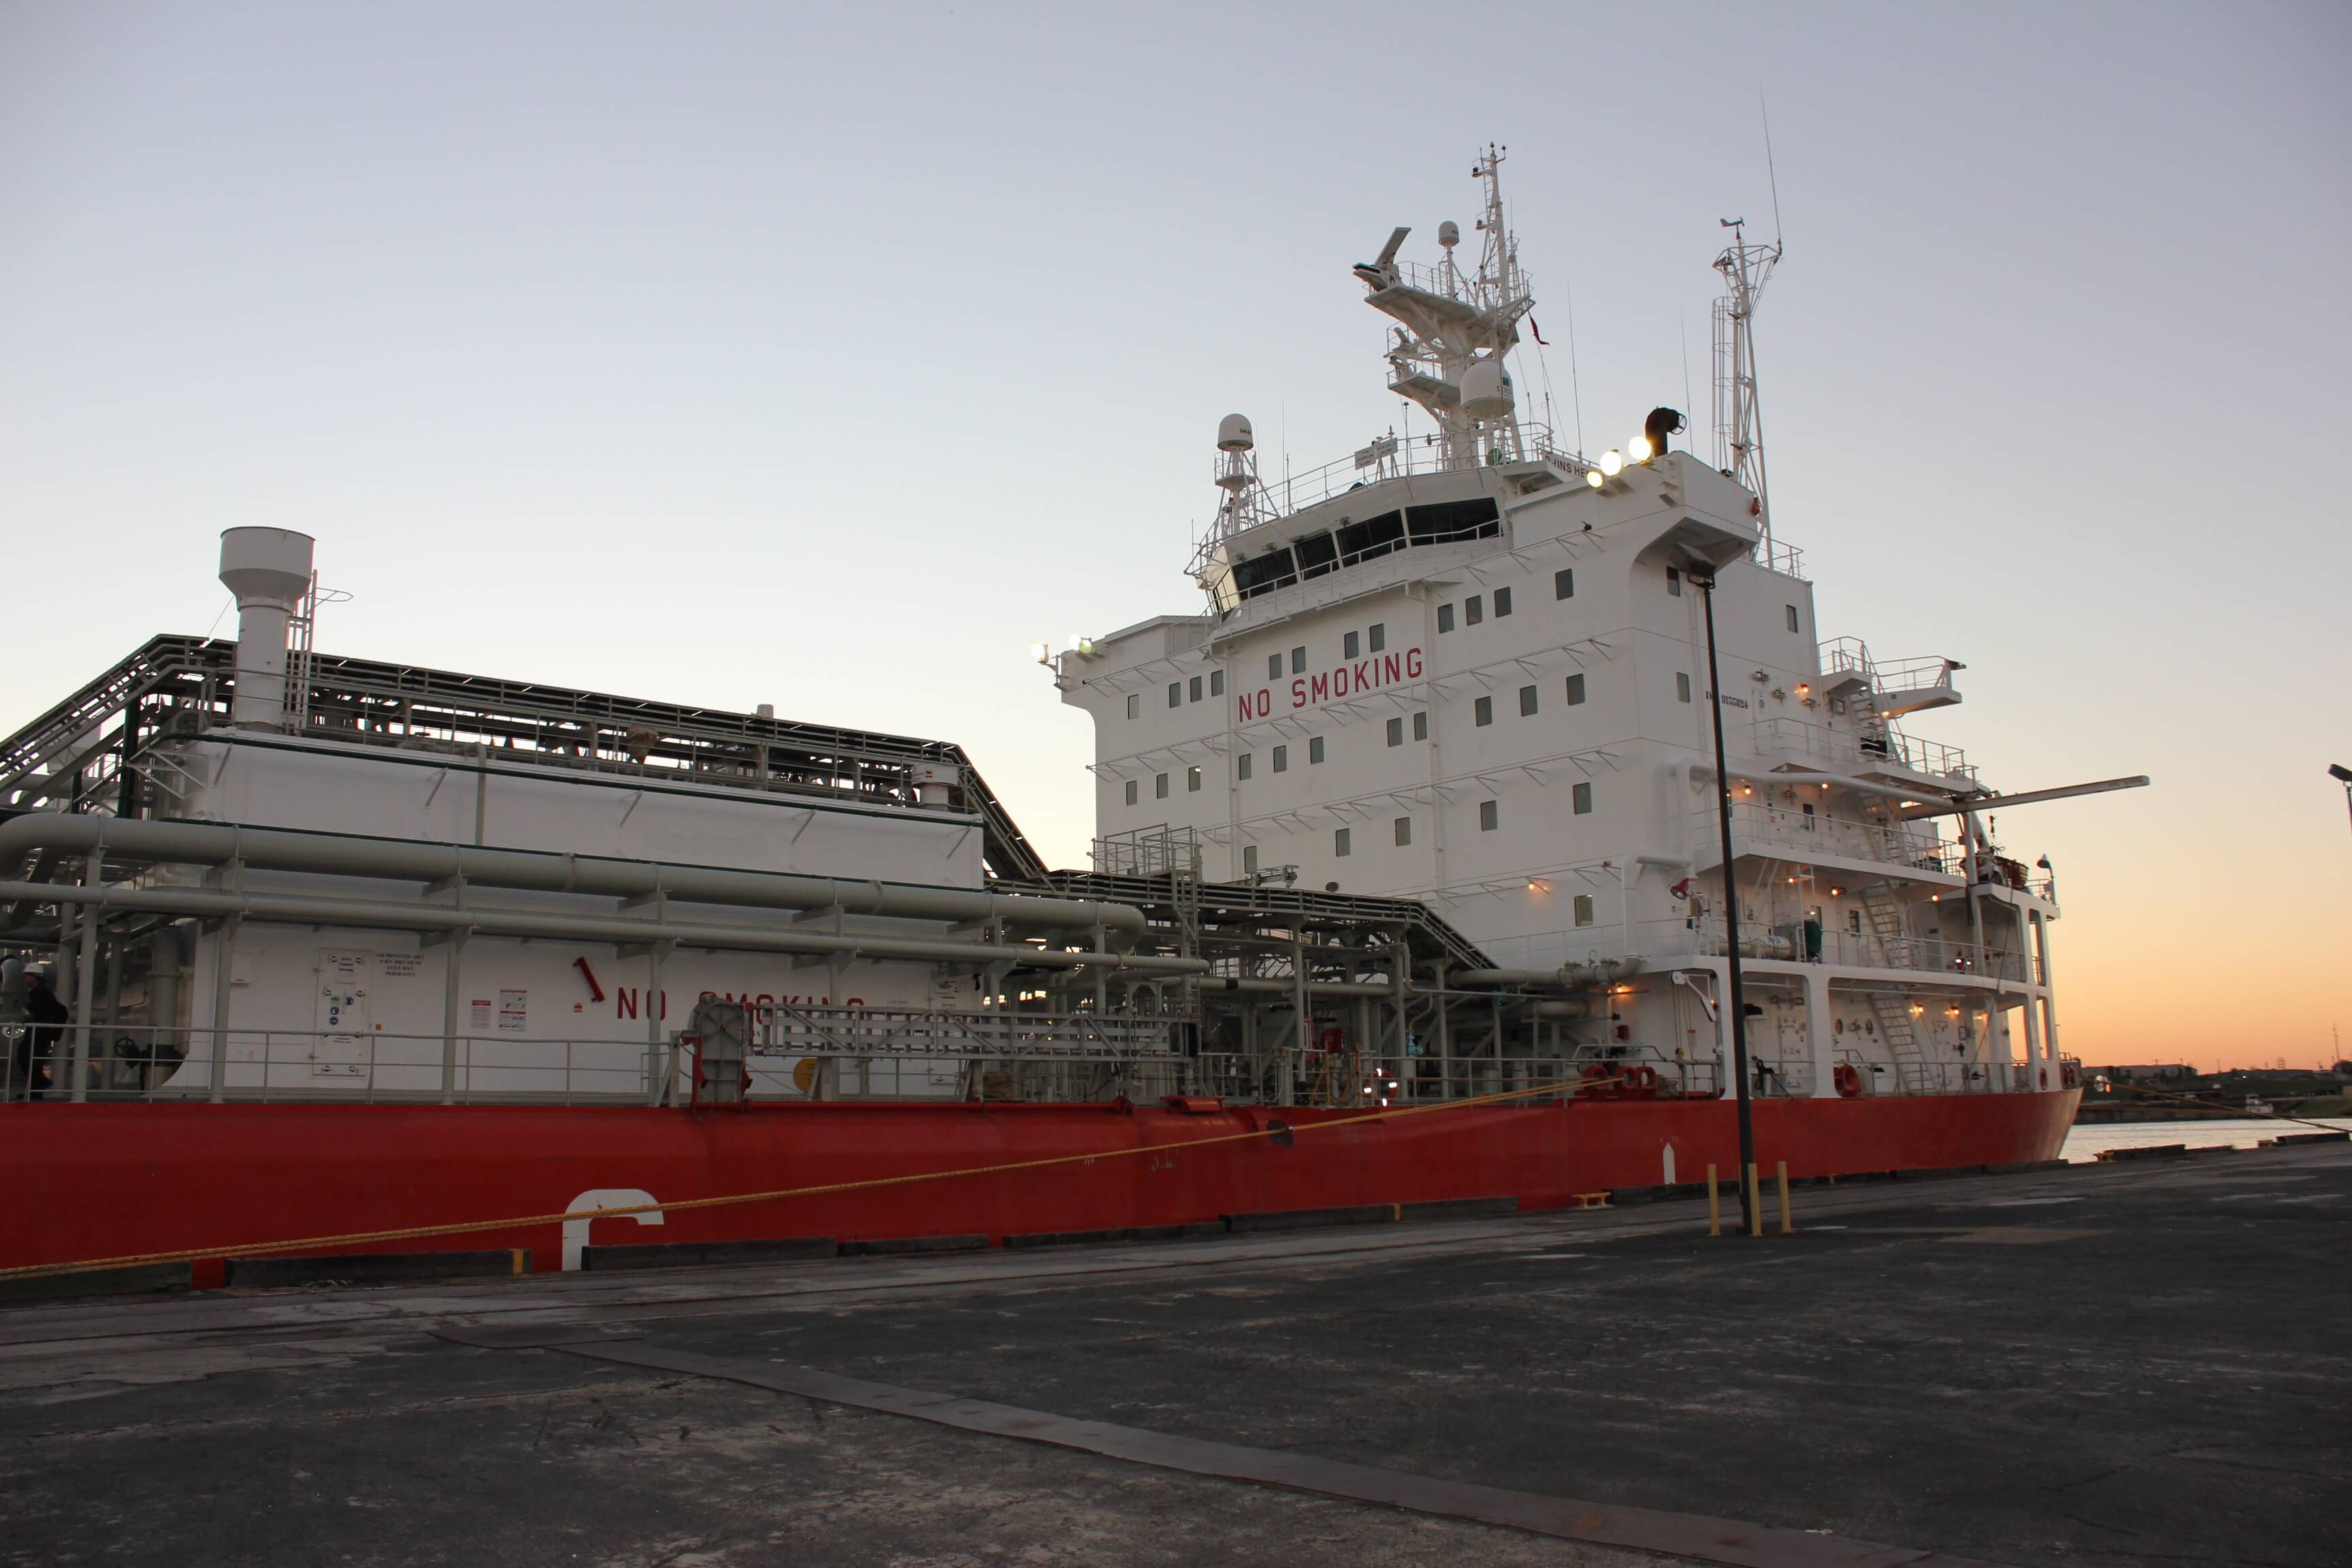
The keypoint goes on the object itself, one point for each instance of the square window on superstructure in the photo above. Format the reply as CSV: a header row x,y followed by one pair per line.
x,y
1793,616
1134,704
1490,816
1313,750
1674,581
1298,661
1444,619
1131,792
1377,637
1340,843
1191,781
1274,666
1682,686
1575,689
1481,712
1192,689
1242,766
1249,859
1403,831
1584,909
1282,759
1396,730
1502,603
1473,609
1352,644
1160,786
1526,700
1421,725
1216,683
1175,694
1579,799
1563,583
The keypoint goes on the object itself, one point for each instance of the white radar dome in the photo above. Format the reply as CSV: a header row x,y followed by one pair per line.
x,y
1449,233
1234,433
1487,390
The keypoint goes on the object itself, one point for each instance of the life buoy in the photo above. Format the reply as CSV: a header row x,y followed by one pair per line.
x,y
1847,1078
1641,1081
1597,1080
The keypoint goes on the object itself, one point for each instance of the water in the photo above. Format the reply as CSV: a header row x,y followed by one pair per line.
x,y
2083,1144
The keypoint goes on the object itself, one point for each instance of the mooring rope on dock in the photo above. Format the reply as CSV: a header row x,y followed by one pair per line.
x,y
1276,1128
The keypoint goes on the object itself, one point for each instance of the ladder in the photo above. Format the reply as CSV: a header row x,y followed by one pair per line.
x,y
1894,1010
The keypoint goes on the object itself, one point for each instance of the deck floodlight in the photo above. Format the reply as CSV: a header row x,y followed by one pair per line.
x,y
1613,462
1595,478
1638,449
1040,652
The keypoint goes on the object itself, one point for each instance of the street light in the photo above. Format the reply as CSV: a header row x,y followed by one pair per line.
x,y
1701,575
2342,775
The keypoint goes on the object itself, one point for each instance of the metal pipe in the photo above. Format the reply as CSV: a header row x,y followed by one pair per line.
x,y
617,930
1703,578
393,860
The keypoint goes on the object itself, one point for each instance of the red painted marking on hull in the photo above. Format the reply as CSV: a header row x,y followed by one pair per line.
x,y
100,1180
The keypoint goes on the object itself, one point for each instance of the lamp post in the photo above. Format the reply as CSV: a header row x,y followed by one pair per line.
x,y
2342,775
1701,575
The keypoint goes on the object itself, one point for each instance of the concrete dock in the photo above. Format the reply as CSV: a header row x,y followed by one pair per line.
x,y
2140,1364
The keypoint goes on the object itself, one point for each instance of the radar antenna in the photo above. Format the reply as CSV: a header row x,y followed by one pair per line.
x,y
1738,421
1457,329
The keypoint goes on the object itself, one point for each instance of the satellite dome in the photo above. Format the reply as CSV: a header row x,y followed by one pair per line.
x,y
1487,390
1449,233
1234,433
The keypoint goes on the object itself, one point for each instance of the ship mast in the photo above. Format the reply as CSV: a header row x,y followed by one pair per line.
x,y
1455,329
1738,422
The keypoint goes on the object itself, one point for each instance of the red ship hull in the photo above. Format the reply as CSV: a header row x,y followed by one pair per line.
x,y
90,1182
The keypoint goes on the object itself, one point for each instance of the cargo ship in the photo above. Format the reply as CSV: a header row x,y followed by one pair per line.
x,y
1416,881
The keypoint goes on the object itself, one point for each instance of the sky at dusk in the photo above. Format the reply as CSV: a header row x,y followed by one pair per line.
x,y
828,356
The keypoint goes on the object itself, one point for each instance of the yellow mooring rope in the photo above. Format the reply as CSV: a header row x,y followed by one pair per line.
x,y
192,1254
2233,1111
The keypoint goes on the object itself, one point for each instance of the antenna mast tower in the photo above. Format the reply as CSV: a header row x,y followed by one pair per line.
x,y
1738,422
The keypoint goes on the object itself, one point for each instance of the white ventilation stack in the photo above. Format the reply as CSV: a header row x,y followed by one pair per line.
x,y
268,570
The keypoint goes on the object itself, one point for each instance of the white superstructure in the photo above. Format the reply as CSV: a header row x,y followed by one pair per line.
x,y
1465,667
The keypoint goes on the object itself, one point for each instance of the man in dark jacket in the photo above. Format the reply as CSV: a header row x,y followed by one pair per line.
x,y
41,1041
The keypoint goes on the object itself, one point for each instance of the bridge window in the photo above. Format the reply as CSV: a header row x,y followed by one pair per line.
x,y
1264,574
1446,522
1370,539
1316,554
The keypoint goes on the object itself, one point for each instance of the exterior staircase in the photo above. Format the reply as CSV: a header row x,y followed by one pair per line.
x,y
1893,1010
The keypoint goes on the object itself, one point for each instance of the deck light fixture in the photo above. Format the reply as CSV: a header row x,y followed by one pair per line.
x,y
1596,478
1040,652
1638,449
1613,462
2342,775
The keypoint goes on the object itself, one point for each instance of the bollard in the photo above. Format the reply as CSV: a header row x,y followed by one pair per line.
x,y
1714,1205
1786,1228
1754,1203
